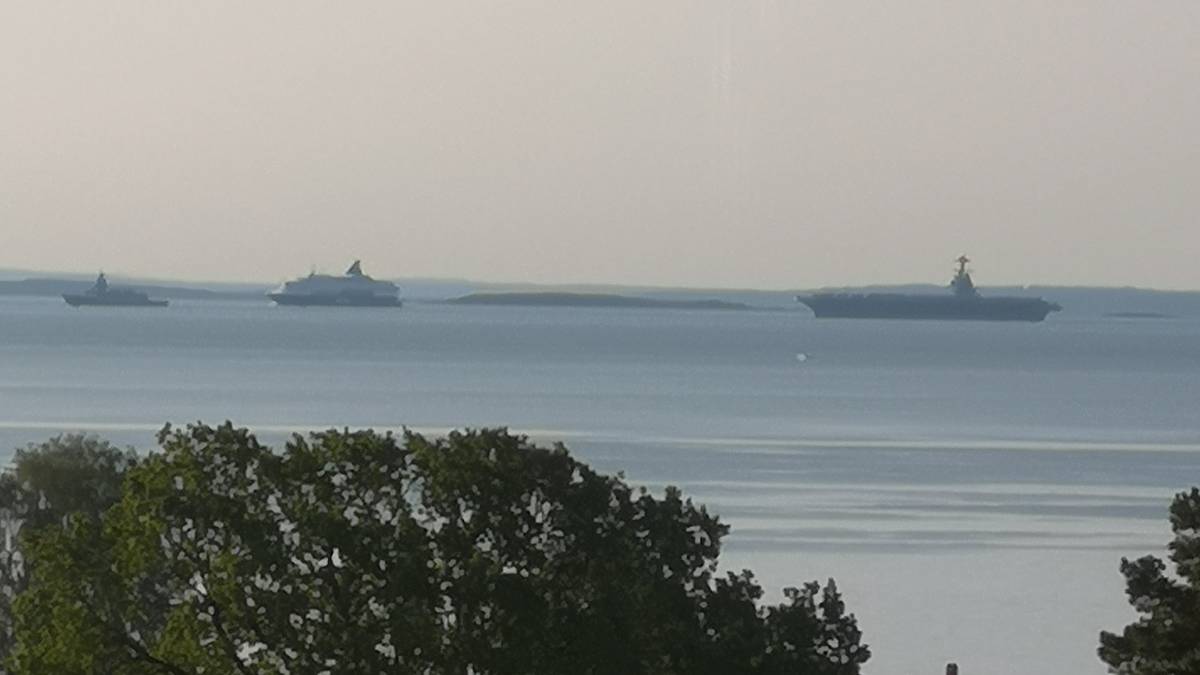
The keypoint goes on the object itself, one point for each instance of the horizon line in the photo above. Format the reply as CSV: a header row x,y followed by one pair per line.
x,y
48,275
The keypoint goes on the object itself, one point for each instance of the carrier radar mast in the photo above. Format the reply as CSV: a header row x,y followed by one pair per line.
x,y
961,284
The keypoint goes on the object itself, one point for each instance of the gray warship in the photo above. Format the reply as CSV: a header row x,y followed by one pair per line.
x,y
964,303
101,294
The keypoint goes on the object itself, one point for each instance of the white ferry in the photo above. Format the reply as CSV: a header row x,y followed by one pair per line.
x,y
352,289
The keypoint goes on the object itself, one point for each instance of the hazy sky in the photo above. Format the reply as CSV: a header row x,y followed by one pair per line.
x,y
693,142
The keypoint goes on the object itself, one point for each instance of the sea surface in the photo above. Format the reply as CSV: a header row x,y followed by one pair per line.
x,y
972,487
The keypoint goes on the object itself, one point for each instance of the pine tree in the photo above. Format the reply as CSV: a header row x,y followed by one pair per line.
x,y
1166,639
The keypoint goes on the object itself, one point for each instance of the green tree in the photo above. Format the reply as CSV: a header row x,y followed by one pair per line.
x,y
359,552
72,473
1166,639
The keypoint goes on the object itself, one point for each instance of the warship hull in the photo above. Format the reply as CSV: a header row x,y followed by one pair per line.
x,y
930,307
84,300
338,300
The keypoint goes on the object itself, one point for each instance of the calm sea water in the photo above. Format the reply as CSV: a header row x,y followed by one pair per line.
x,y
972,487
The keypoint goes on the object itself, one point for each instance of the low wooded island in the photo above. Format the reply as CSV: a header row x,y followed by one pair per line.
x,y
590,300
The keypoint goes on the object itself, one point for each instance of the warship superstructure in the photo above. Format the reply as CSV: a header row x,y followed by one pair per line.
x,y
102,294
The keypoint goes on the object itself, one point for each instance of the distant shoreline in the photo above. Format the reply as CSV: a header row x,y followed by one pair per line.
x,y
42,287
553,299
1138,315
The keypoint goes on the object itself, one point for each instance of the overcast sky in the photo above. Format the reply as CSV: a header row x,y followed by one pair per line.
x,y
736,143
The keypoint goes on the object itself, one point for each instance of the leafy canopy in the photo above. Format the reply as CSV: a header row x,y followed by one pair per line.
x,y
70,473
352,551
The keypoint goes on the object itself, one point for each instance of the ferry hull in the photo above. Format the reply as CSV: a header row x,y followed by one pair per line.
x,y
886,306
340,300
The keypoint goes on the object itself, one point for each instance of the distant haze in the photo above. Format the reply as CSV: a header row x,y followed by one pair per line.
x,y
727,143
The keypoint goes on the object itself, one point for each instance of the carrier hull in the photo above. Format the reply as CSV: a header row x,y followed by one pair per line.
x,y
931,307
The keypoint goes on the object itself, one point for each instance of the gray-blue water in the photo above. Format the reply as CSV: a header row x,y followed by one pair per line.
x,y
972,487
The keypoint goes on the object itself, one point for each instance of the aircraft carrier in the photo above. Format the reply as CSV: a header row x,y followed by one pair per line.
x,y
964,303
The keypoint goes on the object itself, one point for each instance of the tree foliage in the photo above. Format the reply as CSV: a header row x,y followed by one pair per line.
x,y
66,474
71,473
1166,639
359,552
